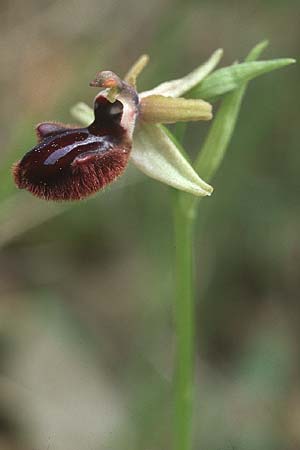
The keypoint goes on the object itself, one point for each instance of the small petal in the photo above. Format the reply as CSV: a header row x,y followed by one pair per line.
x,y
83,113
155,154
161,109
136,69
176,88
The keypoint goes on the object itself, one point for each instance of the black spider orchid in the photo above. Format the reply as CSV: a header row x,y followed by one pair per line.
x,y
72,163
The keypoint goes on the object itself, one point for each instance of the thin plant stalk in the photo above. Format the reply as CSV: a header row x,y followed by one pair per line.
x,y
185,211
184,314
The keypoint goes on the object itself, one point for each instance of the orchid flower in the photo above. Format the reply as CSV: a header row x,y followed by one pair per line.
x,y
71,163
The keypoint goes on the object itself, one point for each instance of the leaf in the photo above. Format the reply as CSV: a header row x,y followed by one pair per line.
x,y
155,154
176,88
229,78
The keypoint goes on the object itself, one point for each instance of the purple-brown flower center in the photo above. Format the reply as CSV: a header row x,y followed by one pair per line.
x,y
73,163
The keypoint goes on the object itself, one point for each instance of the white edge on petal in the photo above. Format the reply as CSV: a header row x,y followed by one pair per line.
x,y
156,155
176,88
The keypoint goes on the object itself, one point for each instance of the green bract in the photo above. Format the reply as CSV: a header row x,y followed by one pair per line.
x,y
220,133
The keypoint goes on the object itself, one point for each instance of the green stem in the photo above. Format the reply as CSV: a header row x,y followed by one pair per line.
x,y
185,207
184,323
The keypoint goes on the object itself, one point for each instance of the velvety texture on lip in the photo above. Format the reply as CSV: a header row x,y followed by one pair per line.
x,y
74,163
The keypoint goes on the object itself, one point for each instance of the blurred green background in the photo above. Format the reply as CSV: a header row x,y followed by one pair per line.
x,y
86,336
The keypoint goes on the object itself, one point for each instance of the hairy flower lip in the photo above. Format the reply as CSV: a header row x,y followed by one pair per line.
x,y
73,163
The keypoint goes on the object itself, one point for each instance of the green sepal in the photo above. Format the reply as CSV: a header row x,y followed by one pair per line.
x,y
157,155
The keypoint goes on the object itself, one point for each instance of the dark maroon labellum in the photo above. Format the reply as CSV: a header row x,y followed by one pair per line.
x,y
72,163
